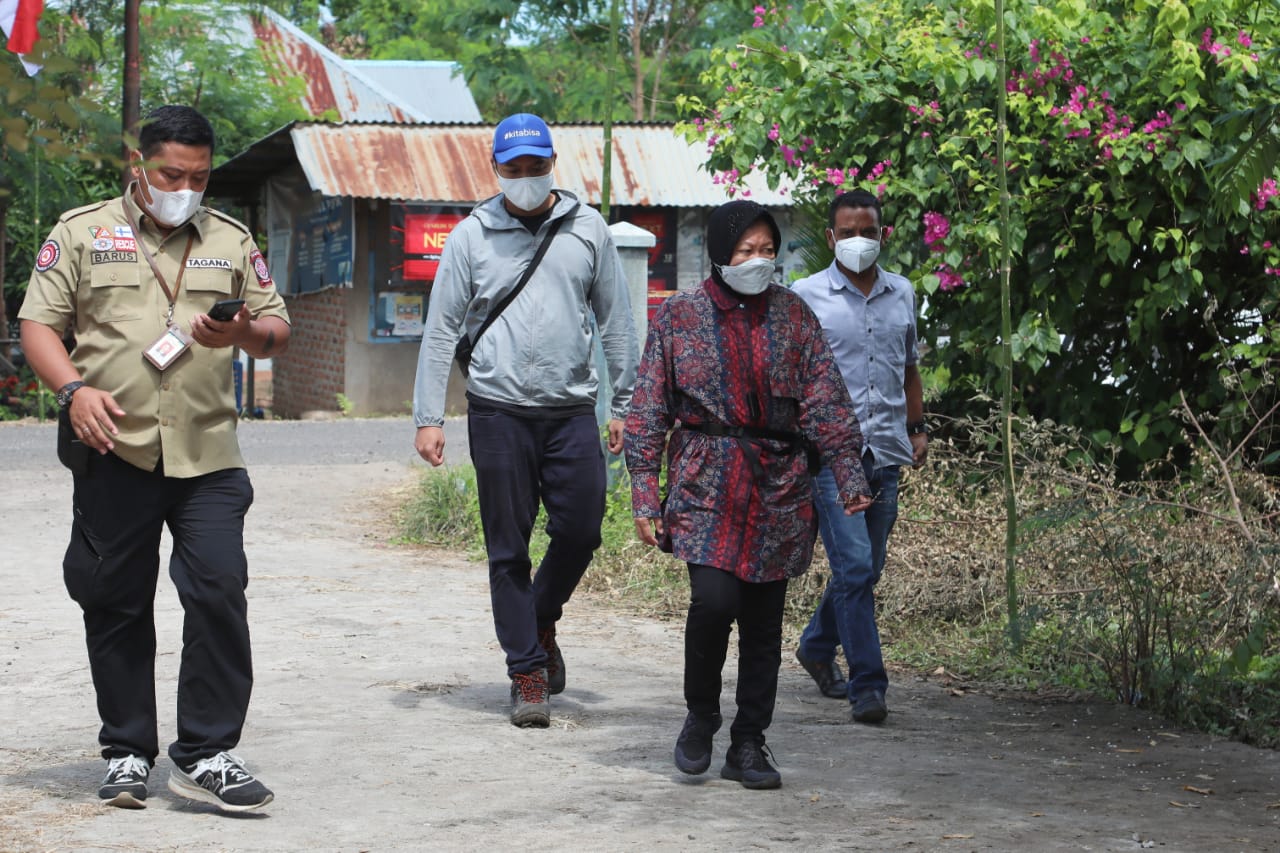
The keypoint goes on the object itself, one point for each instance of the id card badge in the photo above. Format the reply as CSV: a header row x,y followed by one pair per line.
x,y
167,348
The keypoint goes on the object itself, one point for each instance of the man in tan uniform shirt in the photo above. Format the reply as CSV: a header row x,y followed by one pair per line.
x,y
148,430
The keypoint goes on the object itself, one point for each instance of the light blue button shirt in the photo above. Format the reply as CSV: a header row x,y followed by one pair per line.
x,y
874,340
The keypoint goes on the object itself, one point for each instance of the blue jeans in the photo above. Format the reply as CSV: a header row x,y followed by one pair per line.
x,y
855,547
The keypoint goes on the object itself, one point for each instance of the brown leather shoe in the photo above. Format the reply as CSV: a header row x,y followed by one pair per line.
x,y
529,706
555,659
828,676
869,707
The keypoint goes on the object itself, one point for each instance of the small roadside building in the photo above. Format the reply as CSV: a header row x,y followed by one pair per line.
x,y
356,215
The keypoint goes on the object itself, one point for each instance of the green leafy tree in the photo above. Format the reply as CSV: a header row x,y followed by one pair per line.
x,y
61,129
51,151
1145,222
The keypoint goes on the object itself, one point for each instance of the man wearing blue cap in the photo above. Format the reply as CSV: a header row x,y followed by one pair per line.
x,y
531,390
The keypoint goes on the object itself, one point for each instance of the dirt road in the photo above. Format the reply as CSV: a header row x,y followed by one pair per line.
x,y
379,713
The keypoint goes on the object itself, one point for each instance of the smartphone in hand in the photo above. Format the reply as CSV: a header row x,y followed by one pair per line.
x,y
225,310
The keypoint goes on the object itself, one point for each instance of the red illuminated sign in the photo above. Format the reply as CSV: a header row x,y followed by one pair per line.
x,y
424,236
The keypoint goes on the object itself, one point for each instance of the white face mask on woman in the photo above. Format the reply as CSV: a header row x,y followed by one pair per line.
x,y
171,208
749,277
857,253
527,193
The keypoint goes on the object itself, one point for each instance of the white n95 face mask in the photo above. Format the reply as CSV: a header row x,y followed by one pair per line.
x,y
749,277
857,253
171,208
527,193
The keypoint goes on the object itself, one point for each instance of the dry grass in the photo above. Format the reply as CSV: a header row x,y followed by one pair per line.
x,y
1156,592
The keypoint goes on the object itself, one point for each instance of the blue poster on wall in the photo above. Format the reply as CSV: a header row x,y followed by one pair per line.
x,y
323,245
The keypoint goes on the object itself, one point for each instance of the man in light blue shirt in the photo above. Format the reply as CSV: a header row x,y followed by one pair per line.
x,y
869,316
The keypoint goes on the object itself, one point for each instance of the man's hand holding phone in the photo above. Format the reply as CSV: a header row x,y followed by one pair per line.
x,y
225,325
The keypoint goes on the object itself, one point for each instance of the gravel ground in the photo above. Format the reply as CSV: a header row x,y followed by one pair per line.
x,y
379,711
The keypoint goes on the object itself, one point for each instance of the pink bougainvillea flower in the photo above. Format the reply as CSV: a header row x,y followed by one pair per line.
x,y
1160,122
773,133
835,177
948,279
936,229
1244,39
1266,191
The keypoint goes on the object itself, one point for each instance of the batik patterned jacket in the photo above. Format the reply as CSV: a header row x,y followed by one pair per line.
x,y
715,357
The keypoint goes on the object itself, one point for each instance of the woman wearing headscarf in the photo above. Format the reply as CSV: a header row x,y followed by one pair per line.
x,y
737,372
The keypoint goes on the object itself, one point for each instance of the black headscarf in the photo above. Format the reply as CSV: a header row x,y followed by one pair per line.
x,y
726,226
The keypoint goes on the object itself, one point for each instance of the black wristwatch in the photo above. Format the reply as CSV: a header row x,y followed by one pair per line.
x,y
918,427
66,392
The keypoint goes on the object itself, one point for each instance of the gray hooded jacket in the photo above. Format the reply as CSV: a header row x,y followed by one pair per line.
x,y
538,352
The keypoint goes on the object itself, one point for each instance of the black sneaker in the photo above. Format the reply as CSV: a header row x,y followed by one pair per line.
x,y
869,707
529,706
827,674
555,660
125,785
693,747
222,781
751,763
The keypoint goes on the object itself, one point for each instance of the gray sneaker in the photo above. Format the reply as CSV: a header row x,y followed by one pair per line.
x,y
530,700
222,781
125,785
752,764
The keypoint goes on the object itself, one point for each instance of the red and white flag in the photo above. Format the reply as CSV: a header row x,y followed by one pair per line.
x,y
18,20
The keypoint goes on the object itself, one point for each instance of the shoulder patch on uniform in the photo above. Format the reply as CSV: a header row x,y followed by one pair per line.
x,y
88,208
260,268
230,220
48,256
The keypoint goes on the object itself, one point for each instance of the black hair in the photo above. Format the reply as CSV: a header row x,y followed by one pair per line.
x,y
174,123
854,198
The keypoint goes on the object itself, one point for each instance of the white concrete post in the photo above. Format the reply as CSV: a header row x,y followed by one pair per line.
x,y
633,244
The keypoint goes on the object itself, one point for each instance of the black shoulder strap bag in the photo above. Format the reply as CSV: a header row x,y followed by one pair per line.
x,y
462,352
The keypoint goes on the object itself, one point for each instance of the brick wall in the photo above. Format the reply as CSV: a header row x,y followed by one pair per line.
x,y
311,374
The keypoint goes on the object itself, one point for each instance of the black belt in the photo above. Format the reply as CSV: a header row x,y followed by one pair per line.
x,y
746,434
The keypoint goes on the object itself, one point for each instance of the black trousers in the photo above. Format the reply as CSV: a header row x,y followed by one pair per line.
x,y
521,463
110,570
717,598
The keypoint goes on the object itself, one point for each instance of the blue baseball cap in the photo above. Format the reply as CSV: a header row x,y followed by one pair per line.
x,y
521,134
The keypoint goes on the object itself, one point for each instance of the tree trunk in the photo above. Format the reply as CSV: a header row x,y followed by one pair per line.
x,y
131,96
637,83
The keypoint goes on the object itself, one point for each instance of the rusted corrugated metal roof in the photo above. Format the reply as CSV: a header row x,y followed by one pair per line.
x,y
331,85
652,165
